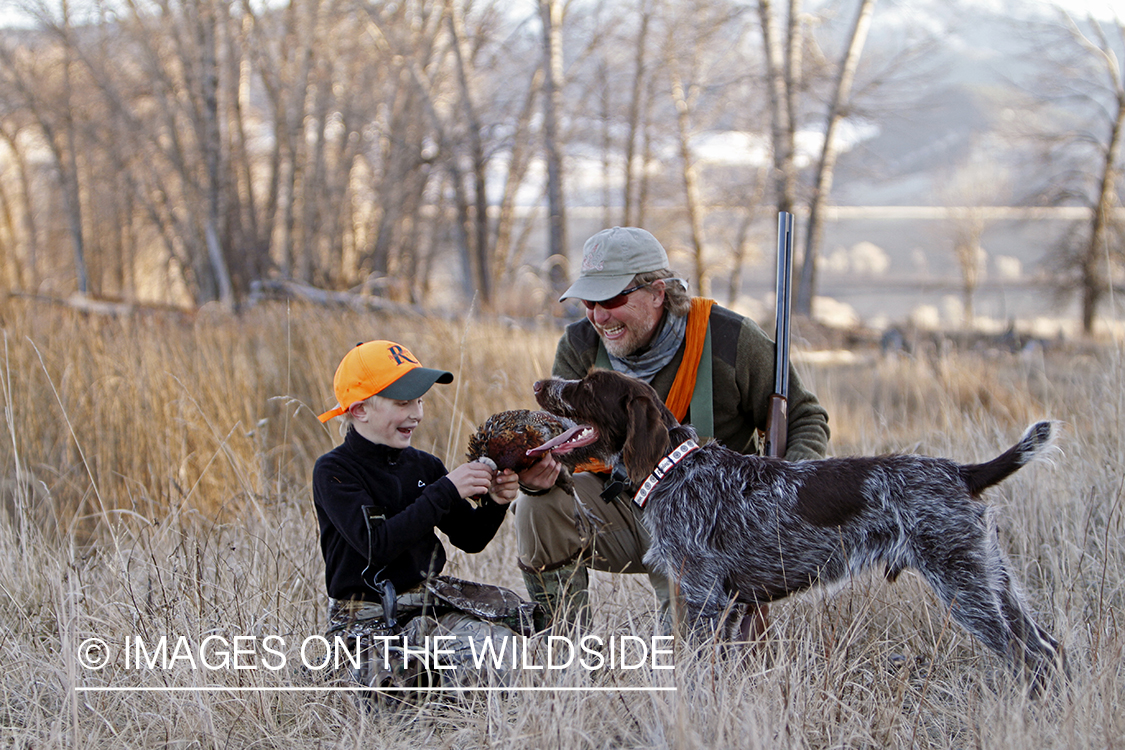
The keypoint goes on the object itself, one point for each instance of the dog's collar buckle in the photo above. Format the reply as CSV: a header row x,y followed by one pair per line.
x,y
662,468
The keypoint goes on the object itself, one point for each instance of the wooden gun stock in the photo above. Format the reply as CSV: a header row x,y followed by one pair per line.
x,y
777,426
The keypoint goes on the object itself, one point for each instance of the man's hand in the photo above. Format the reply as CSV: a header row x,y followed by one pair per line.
x,y
472,479
505,487
542,475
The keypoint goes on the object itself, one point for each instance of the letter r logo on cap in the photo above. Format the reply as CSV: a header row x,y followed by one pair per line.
x,y
401,355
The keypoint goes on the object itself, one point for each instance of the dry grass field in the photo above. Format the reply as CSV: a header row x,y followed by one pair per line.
x,y
155,475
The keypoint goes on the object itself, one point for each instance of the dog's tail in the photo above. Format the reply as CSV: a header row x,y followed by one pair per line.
x,y
1037,441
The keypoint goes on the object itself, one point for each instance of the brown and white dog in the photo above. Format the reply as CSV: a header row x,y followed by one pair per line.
x,y
727,527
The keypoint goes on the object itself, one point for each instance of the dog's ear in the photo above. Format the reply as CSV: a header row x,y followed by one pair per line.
x,y
646,441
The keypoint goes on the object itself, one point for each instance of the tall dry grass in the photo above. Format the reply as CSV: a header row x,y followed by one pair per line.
x,y
155,470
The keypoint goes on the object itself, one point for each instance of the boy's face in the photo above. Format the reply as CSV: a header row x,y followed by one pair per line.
x,y
387,421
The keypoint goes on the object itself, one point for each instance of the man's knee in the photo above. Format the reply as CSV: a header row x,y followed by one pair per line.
x,y
547,530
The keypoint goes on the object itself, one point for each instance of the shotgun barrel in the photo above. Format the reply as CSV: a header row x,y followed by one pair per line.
x,y
777,420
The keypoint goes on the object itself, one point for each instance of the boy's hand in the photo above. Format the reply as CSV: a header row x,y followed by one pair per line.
x,y
472,479
505,487
543,474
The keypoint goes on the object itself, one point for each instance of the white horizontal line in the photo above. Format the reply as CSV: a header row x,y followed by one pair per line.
x,y
1065,213
840,213
235,689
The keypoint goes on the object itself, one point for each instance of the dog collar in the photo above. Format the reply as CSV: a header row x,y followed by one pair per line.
x,y
662,468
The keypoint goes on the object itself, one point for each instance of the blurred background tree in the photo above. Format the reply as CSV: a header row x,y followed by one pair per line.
x,y
432,152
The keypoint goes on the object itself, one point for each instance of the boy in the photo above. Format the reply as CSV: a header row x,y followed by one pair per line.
x,y
378,501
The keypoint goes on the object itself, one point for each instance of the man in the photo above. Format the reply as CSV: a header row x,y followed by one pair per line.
x,y
713,367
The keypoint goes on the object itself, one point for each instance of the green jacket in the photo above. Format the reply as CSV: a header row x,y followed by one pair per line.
x,y
742,376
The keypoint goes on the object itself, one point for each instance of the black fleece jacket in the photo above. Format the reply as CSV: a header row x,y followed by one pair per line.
x,y
410,488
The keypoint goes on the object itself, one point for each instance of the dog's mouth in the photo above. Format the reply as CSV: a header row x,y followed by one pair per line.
x,y
575,437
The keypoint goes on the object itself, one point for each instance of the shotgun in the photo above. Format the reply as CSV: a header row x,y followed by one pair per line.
x,y
755,621
778,418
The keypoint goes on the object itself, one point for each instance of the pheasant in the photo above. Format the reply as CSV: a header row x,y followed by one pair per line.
x,y
518,438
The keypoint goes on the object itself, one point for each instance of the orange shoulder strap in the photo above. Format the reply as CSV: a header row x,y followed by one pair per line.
x,y
679,397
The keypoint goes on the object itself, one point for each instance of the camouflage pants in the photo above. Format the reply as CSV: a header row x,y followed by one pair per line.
x,y
403,666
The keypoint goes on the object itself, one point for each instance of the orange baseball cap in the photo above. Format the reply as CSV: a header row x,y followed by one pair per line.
x,y
381,368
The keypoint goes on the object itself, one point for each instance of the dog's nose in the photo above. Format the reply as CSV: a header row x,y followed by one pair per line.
x,y
538,386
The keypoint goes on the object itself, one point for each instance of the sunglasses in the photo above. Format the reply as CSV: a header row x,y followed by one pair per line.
x,y
615,302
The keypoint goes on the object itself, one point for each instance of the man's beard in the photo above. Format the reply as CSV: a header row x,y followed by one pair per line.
x,y
625,346
634,342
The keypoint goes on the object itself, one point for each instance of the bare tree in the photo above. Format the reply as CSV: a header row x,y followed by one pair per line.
x,y
42,78
206,19
356,145
407,37
743,247
1095,259
967,228
286,75
826,164
971,186
783,72
519,157
551,15
697,65
480,236
687,170
634,123
174,124
27,275
1080,103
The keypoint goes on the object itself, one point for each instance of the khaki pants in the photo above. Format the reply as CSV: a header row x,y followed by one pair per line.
x,y
558,529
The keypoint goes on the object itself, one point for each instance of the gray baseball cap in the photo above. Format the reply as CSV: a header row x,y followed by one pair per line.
x,y
610,260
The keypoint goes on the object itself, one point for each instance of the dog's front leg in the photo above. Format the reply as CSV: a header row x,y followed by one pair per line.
x,y
703,609
754,623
